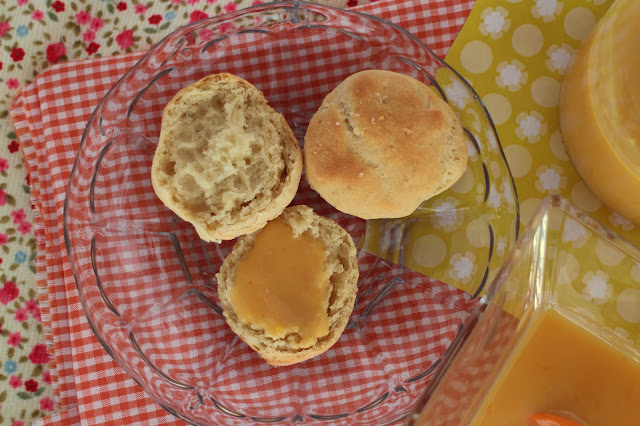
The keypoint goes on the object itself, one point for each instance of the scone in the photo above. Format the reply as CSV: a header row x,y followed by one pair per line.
x,y
381,143
226,161
288,290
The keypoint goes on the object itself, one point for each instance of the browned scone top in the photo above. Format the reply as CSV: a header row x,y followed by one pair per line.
x,y
382,143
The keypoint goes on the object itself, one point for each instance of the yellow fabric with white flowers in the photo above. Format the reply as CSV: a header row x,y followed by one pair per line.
x,y
514,54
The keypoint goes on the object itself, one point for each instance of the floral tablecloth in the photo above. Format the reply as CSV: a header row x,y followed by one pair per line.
x,y
34,34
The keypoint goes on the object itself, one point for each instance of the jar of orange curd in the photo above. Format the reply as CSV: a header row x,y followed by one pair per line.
x,y
600,109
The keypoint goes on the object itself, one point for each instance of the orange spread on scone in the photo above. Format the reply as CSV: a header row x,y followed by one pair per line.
x,y
281,286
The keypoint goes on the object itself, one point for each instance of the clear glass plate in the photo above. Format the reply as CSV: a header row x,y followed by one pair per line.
x,y
147,282
541,273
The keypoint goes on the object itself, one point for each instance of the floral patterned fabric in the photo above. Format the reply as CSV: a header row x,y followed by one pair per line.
x,y
35,34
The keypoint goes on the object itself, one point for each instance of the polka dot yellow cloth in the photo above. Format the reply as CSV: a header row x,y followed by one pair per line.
x,y
514,54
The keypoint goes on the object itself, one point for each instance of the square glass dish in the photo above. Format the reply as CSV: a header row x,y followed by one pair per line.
x,y
147,282
580,280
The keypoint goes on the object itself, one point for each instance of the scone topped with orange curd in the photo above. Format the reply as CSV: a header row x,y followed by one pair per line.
x,y
288,289
226,161
381,143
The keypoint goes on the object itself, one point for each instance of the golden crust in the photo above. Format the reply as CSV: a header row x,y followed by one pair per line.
x,y
381,143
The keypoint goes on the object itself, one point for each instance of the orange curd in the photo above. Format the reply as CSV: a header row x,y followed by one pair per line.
x,y
560,367
600,106
281,287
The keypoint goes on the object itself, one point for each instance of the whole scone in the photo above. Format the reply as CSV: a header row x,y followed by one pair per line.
x,y
339,272
226,161
381,143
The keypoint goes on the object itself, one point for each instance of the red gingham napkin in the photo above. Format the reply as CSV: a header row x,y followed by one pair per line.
x,y
50,116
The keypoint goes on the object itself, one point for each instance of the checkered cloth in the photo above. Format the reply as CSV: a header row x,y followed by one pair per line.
x,y
50,116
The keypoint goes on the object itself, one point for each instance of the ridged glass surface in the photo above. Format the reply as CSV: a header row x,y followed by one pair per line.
x,y
147,282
